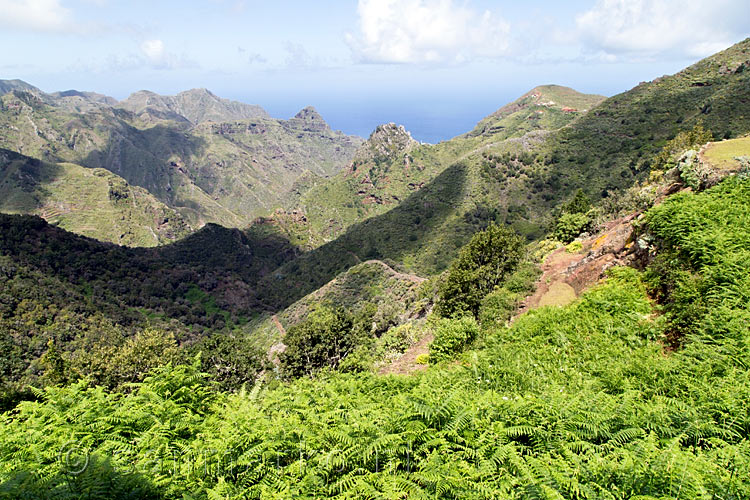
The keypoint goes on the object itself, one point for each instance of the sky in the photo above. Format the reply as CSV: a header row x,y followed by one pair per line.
x,y
435,66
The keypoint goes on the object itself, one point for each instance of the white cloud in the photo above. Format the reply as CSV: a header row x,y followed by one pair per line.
x,y
426,31
646,28
153,50
36,15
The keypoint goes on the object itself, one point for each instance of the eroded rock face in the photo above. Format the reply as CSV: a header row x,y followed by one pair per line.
x,y
566,275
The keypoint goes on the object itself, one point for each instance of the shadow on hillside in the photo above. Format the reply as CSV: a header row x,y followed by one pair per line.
x,y
21,179
145,157
406,230
225,264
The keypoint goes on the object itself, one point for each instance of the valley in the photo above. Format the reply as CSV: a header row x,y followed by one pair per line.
x,y
202,301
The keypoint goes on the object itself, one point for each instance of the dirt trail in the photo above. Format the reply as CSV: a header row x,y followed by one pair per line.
x,y
278,324
407,362
566,275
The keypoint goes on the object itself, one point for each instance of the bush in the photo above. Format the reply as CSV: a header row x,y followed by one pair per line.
x,y
482,264
574,247
569,226
451,336
498,307
324,339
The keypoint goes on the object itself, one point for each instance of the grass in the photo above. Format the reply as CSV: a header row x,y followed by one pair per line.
x,y
559,294
724,154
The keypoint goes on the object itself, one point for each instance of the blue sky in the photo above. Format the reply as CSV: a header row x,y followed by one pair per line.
x,y
437,66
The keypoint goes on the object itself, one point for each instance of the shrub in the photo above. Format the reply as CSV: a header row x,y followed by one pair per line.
x,y
574,247
497,307
482,264
569,226
422,359
323,339
451,336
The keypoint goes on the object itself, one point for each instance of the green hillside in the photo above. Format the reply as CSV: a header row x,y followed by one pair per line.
x,y
225,172
390,166
547,107
582,401
195,106
90,202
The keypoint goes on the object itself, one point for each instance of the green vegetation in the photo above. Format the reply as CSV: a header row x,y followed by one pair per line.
x,y
322,340
547,107
671,152
90,202
228,171
573,402
726,154
451,336
700,275
481,266
242,364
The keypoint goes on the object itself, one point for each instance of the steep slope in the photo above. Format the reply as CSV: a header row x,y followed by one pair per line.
x,y
580,401
390,166
228,172
518,181
613,144
90,202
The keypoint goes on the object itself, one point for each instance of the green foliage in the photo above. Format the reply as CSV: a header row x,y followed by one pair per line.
x,y
451,336
481,265
231,359
497,307
683,141
573,402
569,226
573,218
422,359
574,247
579,204
322,340
700,274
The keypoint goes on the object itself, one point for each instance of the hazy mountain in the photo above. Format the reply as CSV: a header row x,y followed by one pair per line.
x,y
195,106
11,85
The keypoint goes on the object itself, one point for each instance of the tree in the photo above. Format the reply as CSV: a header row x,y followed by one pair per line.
x,y
323,339
481,265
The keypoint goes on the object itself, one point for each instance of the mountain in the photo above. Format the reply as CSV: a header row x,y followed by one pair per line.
x,y
255,354
11,85
620,136
520,161
195,106
90,202
391,166
547,107
228,172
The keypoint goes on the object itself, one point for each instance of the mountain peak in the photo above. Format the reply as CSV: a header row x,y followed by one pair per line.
x,y
194,105
386,141
545,107
309,113
310,119
198,92
11,85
